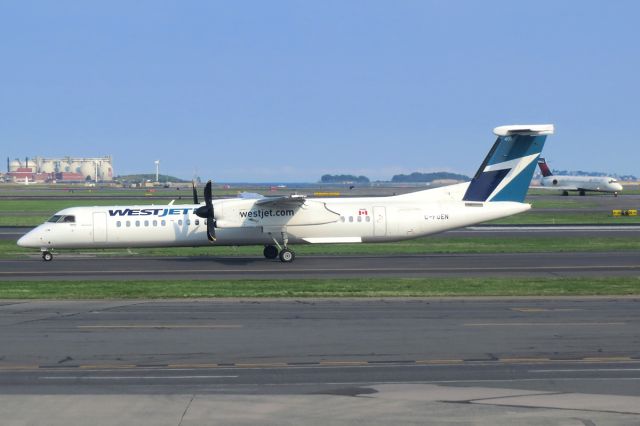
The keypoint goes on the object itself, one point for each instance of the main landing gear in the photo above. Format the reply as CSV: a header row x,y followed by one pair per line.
x,y
47,256
270,252
285,254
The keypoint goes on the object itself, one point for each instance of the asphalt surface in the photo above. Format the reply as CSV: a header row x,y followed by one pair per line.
x,y
419,361
73,267
287,362
307,346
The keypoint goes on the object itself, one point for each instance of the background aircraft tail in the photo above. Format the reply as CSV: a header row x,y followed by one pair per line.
x,y
544,169
507,170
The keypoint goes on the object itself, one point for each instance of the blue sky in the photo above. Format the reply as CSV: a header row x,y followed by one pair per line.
x,y
290,90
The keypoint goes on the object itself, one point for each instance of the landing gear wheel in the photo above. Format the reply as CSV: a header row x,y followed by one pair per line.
x,y
47,256
582,193
287,256
270,252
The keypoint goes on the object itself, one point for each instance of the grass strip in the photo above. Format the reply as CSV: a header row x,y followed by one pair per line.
x,y
377,287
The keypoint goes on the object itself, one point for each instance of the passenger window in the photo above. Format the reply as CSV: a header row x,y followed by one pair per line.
x,y
118,224
359,218
368,218
179,222
350,218
155,223
188,222
128,224
146,223
197,221
137,223
163,222
342,219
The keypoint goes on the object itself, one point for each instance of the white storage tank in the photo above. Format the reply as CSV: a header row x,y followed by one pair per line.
x,y
88,168
65,166
14,165
74,167
47,166
105,170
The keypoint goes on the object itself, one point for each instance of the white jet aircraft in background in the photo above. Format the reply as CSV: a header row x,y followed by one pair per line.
x,y
497,190
582,184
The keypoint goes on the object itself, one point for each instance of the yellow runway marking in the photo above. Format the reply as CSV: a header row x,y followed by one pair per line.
x,y
533,310
20,367
516,360
439,361
106,366
192,366
517,324
343,362
262,365
133,326
607,359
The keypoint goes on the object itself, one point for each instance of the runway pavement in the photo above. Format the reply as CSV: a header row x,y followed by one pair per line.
x,y
506,361
74,267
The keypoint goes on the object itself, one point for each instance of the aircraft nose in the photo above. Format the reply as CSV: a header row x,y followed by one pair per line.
x,y
28,240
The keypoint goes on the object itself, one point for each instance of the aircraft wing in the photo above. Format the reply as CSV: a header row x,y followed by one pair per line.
x,y
290,200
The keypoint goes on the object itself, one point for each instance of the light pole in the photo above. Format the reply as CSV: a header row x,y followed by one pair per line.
x,y
157,162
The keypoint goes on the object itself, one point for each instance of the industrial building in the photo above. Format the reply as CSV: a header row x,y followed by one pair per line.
x,y
66,169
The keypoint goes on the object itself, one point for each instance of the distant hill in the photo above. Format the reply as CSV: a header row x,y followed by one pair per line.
x,y
344,179
149,177
428,177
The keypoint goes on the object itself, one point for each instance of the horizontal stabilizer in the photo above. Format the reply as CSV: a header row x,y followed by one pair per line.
x,y
524,129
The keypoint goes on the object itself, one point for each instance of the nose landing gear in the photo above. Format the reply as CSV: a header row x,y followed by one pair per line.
x,y
47,256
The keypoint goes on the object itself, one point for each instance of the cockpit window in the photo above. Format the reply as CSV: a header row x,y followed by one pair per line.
x,y
62,219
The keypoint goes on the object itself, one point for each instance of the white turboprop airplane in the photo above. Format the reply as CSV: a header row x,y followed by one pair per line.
x,y
497,190
582,184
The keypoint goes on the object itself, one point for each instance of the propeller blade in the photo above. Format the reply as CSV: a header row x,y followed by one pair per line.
x,y
207,194
206,212
195,192
211,229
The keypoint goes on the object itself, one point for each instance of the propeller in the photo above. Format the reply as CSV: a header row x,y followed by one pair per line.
x,y
195,192
206,212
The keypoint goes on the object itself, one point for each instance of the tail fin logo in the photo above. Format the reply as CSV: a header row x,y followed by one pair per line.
x,y
544,168
507,169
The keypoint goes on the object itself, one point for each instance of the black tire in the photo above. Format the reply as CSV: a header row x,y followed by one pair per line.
x,y
47,256
287,256
270,252
582,193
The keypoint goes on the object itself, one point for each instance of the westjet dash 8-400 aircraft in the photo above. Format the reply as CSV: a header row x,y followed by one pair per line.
x,y
582,184
498,189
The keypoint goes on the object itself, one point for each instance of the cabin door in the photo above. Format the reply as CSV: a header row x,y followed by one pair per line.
x,y
379,221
